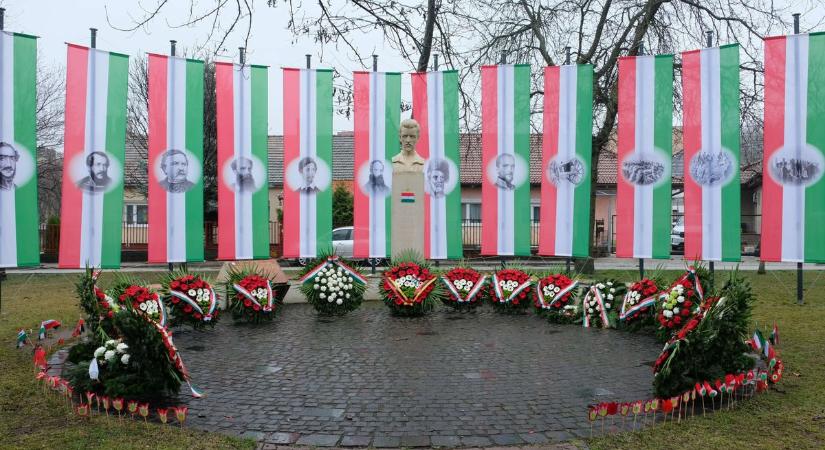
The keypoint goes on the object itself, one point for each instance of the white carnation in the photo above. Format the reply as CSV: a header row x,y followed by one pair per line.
x,y
607,305
339,302
192,292
668,314
111,343
109,355
122,347
125,359
322,295
142,306
590,310
100,351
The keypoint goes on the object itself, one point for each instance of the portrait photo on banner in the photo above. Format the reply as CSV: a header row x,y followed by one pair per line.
x,y
244,174
375,178
440,176
177,170
507,171
16,166
96,172
308,175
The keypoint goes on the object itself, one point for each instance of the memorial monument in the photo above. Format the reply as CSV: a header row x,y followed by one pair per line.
x,y
408,192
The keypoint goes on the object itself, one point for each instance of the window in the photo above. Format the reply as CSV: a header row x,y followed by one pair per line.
x,y
471,212
342,234
136,214
535,213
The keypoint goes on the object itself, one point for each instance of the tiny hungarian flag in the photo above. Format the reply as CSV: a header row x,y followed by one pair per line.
x,y
757,340
243,197
643,223
79,328
21,338
505,151
377,114
793,188
566,150
408,197
93,158
19,243
435,107
700,388
41,334
710,390
774,335
40,357
710,80
175,159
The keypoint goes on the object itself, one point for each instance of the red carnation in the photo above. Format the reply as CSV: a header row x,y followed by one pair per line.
x,y
247,303
175,300
256,307
677,320
187,309
197,316
684,312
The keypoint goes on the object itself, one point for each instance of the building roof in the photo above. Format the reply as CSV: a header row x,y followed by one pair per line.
x,y
470,154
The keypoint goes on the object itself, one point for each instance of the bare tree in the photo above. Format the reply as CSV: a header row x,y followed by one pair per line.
x,y
50,116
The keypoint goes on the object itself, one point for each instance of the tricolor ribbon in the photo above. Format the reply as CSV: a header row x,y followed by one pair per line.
x,y
185,298
250,297
333,260
500,293
698,284
418,291
177,360
557,298
625,313
596,293
471,295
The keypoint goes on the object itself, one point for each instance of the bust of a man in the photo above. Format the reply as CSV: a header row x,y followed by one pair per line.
x,y
408,160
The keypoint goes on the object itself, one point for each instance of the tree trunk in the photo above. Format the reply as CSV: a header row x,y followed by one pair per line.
x,y
427,42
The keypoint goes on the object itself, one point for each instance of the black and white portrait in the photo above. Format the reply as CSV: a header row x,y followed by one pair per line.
x,y
711,169
505,171
376,185
308,175
437,177
308,169
9,156
565,171
795,171
97,167
177,172
643,170
243,179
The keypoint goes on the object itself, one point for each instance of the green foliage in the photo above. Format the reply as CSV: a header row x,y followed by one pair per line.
x,y
319,298
342,207
715,347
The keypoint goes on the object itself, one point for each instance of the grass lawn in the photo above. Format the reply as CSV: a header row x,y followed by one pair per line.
x,y
791,416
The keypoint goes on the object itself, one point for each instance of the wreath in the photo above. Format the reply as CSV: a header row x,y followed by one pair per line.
x,y
463,285
639,302
190,300
598,305
332,285
509,290
556,298
252,296
408,287
679,303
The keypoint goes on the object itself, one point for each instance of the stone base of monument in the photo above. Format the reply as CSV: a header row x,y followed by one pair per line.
x,y
268,267
407,212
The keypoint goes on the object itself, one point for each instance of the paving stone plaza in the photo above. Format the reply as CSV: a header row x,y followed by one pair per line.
x,y
448,379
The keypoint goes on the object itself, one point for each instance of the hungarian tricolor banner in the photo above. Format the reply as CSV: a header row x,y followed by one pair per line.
x,y
175,159
793,191
644,152
710,91
243,194
94,145
505,150
19,221
435,108
307,162
567,142
377,99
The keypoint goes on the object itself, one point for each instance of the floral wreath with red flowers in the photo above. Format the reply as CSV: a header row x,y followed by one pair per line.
x,y
463,285
680,302
252,296
409,288
598,306
144,301
556,297
509,290
639,300
191,300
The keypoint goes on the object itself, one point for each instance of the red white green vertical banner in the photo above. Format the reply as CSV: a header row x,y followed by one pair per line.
x,y
243,197
175,159
307,162
567,144
645,152
19,221
435,108
793,189
94,146
505,150
710,92
377,102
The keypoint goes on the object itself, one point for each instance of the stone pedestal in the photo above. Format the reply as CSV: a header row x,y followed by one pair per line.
x,y
407,212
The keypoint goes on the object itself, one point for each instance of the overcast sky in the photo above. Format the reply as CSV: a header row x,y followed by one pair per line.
x,y
270,43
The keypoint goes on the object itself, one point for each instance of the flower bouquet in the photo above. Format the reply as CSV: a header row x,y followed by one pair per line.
x,y
251,296
510,290
679,303
191,300
333,286
409,288
463,286
143,301
639,301
112,355
597,306
555,298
